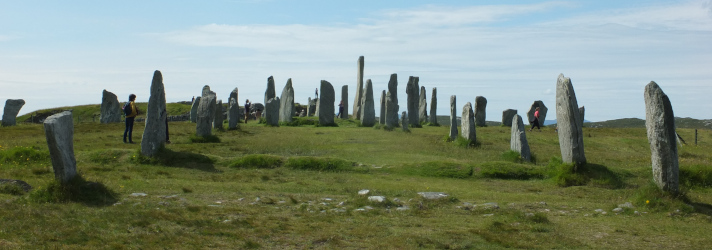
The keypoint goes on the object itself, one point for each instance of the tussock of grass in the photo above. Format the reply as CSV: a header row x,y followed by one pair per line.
x,y
512,156
516,229
107,156
465,143
23,156
76,190
437,169
510,170
257,161
567,174
650,196
696,176
300,121
319,164
170,158
204,139
12,189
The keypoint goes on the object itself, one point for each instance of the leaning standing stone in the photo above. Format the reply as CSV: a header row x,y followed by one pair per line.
x,y
270,92
110,109
568,122
434,107
468,123
272,111
422,107
59,131
344,102
154,135
206,110
326,104
392,102
518,141
233,113
453,118
660,124
359,89
194,110
480,111
286,103
368,111
542,112
507,116
382,115
12,107
413,100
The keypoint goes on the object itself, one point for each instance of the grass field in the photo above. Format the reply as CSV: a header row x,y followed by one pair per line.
x,y
297,187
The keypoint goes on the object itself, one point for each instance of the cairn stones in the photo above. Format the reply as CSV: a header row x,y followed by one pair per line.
x,y
392,102
326,104
344,113
382,115
194,110
434,107
453,118
270,92
569,123
422,107
542,112
368,111
218,117
518,141
660,126
272,111
507,116
59,131
480,111
413,100
110,108
206,111
154,135
286,103
468,123
404,121
359,89
12,107
233,114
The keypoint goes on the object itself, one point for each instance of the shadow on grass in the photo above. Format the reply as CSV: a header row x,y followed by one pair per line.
x,y
180,159
566,174
78,190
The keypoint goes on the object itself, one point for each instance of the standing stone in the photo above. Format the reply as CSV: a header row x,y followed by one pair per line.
x,y
569,123
311,107
507,116
382,115
326,104
453,118
206,91
660,124
392,102
272,111
542,112
12,107
480,111
218,117
270,92
154,134
359,89
422,107
518,141
368,111
468,123
110,108
59,131
233,113
286,103
404,121
582,110
206,110
344,102
194,110
233,94
413,100
434,107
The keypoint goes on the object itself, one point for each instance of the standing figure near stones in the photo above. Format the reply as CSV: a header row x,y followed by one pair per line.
x,y
130,118
247,109
316,93
537,105
341,109
535,122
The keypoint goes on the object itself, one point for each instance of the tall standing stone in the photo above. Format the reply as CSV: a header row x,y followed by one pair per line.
x,y
660,126
480,111
569,123
272,111
453,118
359,89
270,92
286,103
518,141
12,107
59,131
344,114
206,111
233,113
392,102
542,112
110,108
326,104
218,116
368,111
507,116
412,90
194,110
382,115
468,123
154,134
434,107
422,107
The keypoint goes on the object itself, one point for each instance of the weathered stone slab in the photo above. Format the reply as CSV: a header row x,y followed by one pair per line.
x,y
218,116
272,111
434,107
432,195
368,111
359,89
413,91
382,115
422,107
194,110
507,117
518,141
344,113
480,111
206,111
270,92
286,103
453,118
326,104
233,113
542,112
311,107
154,134
660,126
110,108
59,131
569,123
12,108
468,123
392,102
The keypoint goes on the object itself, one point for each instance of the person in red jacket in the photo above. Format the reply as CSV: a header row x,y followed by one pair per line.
x,y
535,122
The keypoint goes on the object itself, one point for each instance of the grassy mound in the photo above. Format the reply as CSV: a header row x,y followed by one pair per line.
x,y
510,170
76,190
257,161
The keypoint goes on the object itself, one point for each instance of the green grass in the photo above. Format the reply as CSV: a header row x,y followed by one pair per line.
x,y
257,161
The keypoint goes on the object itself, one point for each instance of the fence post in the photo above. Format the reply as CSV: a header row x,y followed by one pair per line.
x,y
695,137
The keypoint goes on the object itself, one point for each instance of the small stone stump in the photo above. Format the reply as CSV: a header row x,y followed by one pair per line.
x,y
518,141
660,126
12,107
507,117
110,108
59,131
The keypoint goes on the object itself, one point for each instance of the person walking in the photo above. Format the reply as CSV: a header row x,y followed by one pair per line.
x,y
341,109
316,93
247,109
131,115
535,122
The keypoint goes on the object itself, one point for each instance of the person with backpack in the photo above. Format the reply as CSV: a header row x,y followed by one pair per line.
x,y
131,112
247,109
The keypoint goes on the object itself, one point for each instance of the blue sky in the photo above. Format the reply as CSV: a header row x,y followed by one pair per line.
x,y
64,53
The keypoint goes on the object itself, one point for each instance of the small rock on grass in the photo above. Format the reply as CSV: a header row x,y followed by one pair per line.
x,y
363,192
377,198
432,195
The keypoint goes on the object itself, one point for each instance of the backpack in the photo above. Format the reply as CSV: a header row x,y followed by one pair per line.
x,y
127,109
